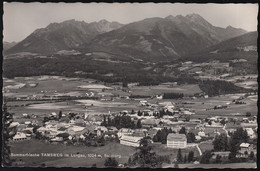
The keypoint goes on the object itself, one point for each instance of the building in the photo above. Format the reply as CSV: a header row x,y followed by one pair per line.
x,y
129,140
245,150
124,131
19,136
176,141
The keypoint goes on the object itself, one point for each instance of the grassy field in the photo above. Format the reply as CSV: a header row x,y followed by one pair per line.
x,y
121,153
189,89
206,146
162,150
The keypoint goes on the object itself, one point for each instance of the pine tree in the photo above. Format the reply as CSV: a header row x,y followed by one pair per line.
x,y
60,114
139,124
252,155
179,156
190,156
182,130
185,159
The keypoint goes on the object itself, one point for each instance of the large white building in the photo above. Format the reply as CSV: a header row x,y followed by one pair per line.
x,y
130,140
176,141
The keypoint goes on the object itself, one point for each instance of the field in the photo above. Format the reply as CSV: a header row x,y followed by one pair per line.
x,y
189,89
205,146
120,152
162,150
55,85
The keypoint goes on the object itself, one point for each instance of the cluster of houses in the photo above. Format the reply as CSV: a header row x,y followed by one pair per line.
x,y
81,126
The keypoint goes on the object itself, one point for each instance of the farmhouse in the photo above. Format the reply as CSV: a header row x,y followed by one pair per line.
x,y
130,140
245,148
176,141
19,136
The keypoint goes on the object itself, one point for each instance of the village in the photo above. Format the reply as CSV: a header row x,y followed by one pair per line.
x,y
90,114
167,123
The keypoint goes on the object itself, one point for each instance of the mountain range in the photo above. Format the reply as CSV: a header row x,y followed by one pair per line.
x,y
67,35
151,39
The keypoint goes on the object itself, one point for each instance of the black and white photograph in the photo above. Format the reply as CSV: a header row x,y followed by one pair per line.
x,y
129,85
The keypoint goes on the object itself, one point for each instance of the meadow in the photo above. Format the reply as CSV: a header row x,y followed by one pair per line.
x,y
94,155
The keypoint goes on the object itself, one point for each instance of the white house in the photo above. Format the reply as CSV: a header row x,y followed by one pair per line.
x,y
129,140
250,133
176,141
19,136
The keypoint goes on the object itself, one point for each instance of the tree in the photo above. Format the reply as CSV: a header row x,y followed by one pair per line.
x,y
191,137
252,155
238,137
220,142
182,130
185,159
223,121
218,159
139,124
144,157
206,157
190,156
132,112
8,134
248,114
111,162
179,156
60,114
129,161
139,113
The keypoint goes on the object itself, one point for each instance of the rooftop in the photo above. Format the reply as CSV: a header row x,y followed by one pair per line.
x,y
176,137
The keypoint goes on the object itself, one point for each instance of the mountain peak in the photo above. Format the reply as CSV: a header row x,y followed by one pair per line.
x,y
229,27
193,15
103,21
170,17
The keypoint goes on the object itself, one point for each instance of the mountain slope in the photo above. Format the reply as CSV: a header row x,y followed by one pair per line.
x,y
240,47
149,40
8,45
62,36
155,39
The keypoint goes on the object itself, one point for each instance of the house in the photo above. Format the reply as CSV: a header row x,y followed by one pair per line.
x,y
176,141
150,122
124,131
14,124
56,139
129,140
143,102
245,148
19,136
250,133
100,130
112,129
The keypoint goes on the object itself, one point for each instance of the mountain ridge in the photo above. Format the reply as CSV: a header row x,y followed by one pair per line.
x,y
151,39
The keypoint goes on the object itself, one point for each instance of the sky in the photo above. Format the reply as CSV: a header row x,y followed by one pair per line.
x,y
21,19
